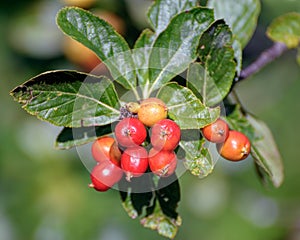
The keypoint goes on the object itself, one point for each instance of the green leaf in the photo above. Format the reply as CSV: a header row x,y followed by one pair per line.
x,y
185,108
165,226
198,159
238,55
176,47
286,29
213,76
138,196
162,11
102,38
127,204
165,218
141,52
237,121
69,98
298,56
72,137
263,147
168,195
265,152
241,16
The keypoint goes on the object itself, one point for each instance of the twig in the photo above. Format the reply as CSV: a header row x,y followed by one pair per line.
x,y
267,56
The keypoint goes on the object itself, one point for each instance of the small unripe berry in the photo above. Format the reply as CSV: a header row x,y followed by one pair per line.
x,y
133,107
151,111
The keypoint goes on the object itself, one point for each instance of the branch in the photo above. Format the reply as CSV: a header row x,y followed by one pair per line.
x,y
264,58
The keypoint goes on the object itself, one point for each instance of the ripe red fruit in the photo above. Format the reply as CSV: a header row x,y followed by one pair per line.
x,y
162,163
130,132
115,154
105,175
217,132
152,110
134,162
101,147
165,135
236,147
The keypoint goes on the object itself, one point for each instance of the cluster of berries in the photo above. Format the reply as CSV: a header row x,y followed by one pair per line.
x,y
231,145
133,151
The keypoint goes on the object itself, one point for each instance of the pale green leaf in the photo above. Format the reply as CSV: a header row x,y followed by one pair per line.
x,y
141,52
265,151
240,15
263,147
164,225
238,55
286,29
162,11
198,159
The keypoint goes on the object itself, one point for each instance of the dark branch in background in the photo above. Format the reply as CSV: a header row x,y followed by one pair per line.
x,y
264,58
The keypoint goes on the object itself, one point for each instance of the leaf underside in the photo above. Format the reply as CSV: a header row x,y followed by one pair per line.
x,y
156,204
72,137
265,152
263,147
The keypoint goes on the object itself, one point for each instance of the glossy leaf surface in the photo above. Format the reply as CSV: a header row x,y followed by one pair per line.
x,y
212,77
241,16
101,37
176,47
185,108
162,11
69,99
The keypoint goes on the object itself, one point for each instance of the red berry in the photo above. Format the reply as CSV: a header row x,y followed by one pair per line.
x,y
130,132
105,175
165,135
115,154
101,147
236,147
217,132
162,163
134,161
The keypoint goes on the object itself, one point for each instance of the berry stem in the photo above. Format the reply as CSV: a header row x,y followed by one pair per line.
x,y
267,56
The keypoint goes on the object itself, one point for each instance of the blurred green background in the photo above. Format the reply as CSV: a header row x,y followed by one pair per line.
x,y
43,191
